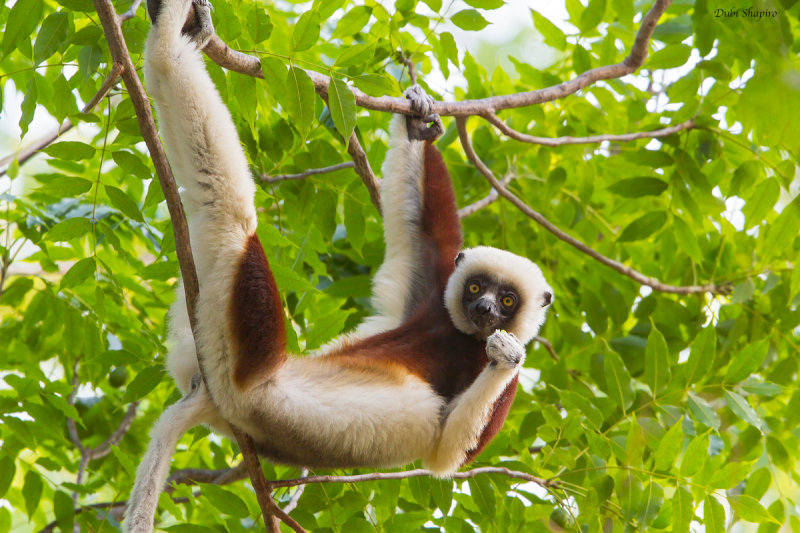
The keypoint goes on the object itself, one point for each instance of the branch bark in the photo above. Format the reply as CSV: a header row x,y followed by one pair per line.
x,y
635,275
224,56
302,175
559,141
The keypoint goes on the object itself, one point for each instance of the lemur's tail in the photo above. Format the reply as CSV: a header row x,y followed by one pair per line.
x,y
179,418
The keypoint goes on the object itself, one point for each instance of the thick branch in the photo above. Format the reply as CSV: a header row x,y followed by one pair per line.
x,y
221,54
302,175
29,151
558,141
616,265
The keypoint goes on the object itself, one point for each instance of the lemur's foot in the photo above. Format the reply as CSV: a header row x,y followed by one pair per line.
x,y
201,29
422,105
504,350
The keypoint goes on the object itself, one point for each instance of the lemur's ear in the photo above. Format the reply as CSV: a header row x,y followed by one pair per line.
x,y
459,257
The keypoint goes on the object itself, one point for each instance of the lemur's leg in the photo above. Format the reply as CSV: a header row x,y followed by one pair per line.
x,y
469,412
152,472
405,269
208,161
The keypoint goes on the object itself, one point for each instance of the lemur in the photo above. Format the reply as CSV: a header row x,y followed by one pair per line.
x,y
431,376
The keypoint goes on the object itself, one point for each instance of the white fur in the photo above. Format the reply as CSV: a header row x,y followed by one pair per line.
x,y
505,267
401,202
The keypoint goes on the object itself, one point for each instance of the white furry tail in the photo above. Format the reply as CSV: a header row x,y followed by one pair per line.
x,y
179,418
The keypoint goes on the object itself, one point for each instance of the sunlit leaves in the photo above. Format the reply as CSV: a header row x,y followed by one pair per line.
x,y
22,20
306,31
299,100
656,369
553,36
69,229
145,381
638,187
643,227
470,20
52,35
70,150
342,104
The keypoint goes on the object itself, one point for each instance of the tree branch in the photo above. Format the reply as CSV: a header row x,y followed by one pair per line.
x,y
364,171
302,175
559,141
224,56
616,265
29,151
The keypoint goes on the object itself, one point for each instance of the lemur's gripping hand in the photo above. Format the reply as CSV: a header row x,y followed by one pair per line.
x,y
417,126
504,350
198,26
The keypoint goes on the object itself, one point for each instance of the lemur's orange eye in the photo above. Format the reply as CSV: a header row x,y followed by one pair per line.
x,y
508,301
474,288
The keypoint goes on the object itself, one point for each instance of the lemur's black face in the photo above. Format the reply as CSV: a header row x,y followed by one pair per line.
x,y
488,304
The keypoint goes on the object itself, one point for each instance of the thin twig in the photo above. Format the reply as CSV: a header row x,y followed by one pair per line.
x,y
467,210
302,175
379,476
192,476
547,346
29,151
295,499
364,171
616,265
559,141
224,56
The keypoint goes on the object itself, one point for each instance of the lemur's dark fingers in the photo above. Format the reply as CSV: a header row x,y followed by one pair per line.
x,y
201,29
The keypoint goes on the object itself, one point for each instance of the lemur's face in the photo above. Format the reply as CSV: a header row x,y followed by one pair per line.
x,y
489,304
493,289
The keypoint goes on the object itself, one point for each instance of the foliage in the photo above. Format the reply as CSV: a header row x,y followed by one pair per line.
x,y
659,410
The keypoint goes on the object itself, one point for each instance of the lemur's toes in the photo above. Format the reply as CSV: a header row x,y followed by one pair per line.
x,y
422,105
201,31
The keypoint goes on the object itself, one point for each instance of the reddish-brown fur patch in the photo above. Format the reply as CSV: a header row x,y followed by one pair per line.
x,y
256,327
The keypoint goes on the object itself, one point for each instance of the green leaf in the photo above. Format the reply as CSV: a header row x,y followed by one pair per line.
x,y
695,455
449,47
572,400
21,23
483,495
342,104
29,105
638,187
643,227
761,201
306,31
618,381
682,510
787,223
702,354
651,502
485,4
70,150
357,54
592,15
377,84
259,24
145,381
69,229
672,56
713,515
124,203
552,34
746,361
686,237
224,500
352,22
469,20
161,270
32,491
7,471
78,273
742,409
131,164
749,509
703,412
729,475
65,514
52,35
670,446
64,186
299,100
656,362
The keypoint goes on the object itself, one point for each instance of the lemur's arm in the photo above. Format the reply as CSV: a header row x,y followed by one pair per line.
x,y
470,414
416,195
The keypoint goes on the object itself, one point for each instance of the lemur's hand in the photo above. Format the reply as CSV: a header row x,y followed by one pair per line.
x,y
422,104
504,350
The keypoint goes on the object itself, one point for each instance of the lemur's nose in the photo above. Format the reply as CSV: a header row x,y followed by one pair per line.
x,y
483,307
